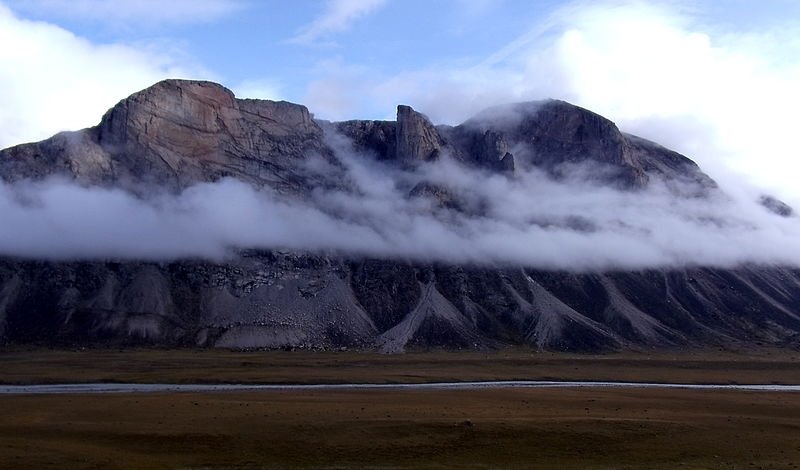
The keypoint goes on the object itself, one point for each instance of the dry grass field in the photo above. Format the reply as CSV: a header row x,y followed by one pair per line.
x,y
400,429
481,429
21,366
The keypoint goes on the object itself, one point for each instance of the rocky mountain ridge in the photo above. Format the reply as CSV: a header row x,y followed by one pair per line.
x,y
178,133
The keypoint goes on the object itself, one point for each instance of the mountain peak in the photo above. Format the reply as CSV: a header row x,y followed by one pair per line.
x,y
176,133
179,132
167,108
417,138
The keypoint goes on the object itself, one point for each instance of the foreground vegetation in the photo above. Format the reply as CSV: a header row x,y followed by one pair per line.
x,y
437,429
26,366
508,428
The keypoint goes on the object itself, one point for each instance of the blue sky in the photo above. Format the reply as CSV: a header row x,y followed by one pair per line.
x,y
255,42
253,39
713,79
256,45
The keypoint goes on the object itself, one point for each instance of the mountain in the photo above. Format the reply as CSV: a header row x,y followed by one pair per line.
x,y
179,133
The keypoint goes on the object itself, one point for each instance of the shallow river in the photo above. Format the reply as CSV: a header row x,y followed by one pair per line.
x,y
153,388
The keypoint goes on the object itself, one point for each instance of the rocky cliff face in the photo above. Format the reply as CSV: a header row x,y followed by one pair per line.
x,y
417,138
272,300
177,133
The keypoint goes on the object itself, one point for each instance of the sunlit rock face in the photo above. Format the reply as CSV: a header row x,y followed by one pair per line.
x,y
179,133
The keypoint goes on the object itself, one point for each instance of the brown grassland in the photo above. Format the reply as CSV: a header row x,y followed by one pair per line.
x,y
481,429
27,366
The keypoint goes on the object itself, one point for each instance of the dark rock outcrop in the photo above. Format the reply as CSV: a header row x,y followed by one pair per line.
x,y
776,206
555,134
376,137
441,196
417,139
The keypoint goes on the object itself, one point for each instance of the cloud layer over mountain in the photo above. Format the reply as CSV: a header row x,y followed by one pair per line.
x,y
525,219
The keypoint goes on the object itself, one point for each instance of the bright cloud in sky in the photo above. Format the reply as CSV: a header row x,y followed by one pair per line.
x,y
338,16
717,96
52,80
258,89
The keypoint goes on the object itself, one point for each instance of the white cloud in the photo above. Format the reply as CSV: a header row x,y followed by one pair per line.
x,y
728,99
261,89
52,80
133,11
339,15
582,227
645,65
336,92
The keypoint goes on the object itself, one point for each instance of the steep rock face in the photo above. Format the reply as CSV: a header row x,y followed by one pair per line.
x,y
417,138
669,166
554,134
484,148
73,154
271,300
177,133
376,137
198,131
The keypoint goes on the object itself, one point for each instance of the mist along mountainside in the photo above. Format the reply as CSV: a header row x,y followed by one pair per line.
x,y
179,133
